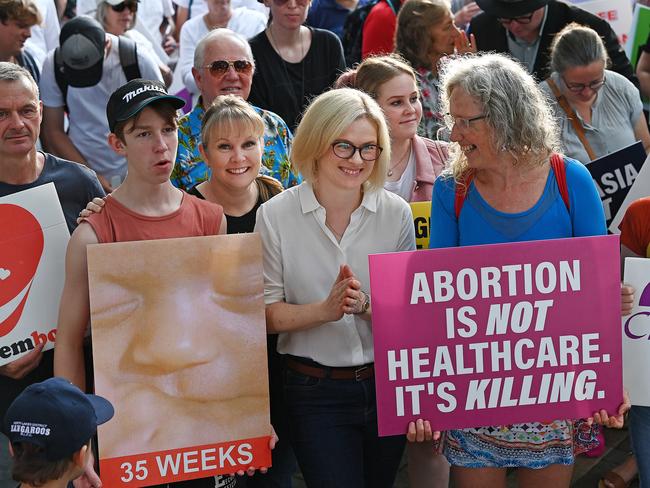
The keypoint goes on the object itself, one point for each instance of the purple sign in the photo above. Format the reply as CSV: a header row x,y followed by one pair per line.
x,y
497,334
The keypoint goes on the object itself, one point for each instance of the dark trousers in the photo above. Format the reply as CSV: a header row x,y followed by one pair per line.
x,y
333,429
282,457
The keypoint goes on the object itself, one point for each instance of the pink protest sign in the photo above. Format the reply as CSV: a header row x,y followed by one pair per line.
x,y
497,334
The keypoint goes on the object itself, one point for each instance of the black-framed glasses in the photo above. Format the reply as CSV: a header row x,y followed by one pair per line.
x,y
346,150
132,6
220,67
524,19
461,122
578,87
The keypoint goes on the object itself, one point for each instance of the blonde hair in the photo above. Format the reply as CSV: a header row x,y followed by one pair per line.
x,y
517,111
230,114
374,71
326,119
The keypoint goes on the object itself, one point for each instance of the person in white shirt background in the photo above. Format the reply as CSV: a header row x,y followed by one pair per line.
x,y
118,17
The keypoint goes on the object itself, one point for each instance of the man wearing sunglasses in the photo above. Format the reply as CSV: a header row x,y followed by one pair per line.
x,y
223,65
525,29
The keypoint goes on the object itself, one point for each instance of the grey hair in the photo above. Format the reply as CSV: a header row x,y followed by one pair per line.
x,y
516,109
576,45
12,72
215,35
100,15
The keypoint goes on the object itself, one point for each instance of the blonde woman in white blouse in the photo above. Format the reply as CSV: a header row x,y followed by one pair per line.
x,y
317,238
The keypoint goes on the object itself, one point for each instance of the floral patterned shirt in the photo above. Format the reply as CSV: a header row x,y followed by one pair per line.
x,y
432,118
190,169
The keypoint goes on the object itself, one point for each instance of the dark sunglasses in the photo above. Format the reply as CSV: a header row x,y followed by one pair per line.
x,y
523,20
221,67
132,6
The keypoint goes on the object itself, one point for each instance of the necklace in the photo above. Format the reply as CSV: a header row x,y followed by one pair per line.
x,y
276,47
400,162
338,235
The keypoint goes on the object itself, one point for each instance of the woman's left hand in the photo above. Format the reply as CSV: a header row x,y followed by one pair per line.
x,y
613,421
273,440
463,44
420,431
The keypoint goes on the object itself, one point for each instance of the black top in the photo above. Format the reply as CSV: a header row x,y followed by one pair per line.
x,y
75,185
286,88
27,61
491,36
236,225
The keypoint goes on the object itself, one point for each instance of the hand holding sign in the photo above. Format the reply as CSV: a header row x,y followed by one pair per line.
x,y
627,299
21,367
613,421
273,440
420,431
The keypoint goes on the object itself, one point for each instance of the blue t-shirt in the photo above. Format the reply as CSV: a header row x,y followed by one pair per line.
x,y
549,218
327,14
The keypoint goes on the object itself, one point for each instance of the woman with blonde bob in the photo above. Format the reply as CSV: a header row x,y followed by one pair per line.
x,y
503,140
316,239
415,164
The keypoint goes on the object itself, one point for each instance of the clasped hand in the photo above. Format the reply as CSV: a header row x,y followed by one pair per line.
x,y
344,297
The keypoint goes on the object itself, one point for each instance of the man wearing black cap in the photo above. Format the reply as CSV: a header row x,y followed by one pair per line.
x,y
91,66
50,426
525,29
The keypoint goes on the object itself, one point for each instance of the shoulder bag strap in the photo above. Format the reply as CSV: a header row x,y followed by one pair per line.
x,y
577,126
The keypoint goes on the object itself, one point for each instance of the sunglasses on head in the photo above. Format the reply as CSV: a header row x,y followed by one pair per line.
x,y
221,67
132,6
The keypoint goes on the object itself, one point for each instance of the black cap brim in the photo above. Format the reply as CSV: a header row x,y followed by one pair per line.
x,y
176,102
510,10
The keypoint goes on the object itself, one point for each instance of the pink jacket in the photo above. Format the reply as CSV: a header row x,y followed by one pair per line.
x,y
430,160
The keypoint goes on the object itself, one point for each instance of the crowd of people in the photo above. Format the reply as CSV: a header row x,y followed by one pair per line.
x,y
490,110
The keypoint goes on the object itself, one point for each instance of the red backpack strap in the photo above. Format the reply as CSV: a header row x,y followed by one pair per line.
x,y
462,187
559,168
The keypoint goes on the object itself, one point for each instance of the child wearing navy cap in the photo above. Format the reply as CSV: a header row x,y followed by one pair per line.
x,y
50,426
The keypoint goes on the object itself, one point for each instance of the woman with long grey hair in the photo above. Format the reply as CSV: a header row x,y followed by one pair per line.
x,y
505,165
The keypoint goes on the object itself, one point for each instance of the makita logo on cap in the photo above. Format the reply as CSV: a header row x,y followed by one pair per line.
x,y
129,96
28,429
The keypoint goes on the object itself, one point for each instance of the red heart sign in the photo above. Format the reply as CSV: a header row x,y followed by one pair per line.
x,y
20,253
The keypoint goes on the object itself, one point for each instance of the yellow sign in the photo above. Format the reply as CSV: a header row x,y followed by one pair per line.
x,y
422,222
